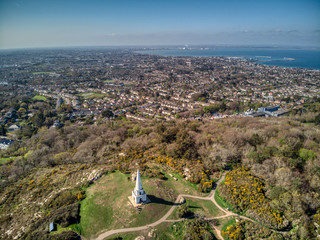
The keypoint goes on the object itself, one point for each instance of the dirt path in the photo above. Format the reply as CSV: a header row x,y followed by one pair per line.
x,y
176,203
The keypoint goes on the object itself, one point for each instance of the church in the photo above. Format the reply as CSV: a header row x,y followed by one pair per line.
x,y
139,196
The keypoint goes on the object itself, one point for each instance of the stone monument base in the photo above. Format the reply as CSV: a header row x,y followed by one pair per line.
x,y
131,200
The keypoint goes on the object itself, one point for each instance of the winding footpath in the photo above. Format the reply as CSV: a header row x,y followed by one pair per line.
x,y
176,203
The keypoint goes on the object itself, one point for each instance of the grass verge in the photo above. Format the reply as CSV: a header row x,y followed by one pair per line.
x,y
221,201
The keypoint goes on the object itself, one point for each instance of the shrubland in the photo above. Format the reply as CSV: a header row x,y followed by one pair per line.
x,y
274,165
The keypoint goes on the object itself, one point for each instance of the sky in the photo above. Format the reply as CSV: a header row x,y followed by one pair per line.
x,y
63,23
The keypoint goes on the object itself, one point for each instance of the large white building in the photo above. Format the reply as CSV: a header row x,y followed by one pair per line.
x,y
138,194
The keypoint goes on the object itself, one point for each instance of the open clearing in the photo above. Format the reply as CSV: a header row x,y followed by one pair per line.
x,y
165,231
107,206
91,95
39,98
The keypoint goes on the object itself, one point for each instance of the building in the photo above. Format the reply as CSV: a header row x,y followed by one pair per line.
x,y
52,227
5,143
138,194
274,111
14,128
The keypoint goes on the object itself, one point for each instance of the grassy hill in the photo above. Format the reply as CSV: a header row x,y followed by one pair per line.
x,y
107,207
50,173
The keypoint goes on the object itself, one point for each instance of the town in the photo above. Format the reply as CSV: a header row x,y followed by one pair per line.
x,y
222,146
85,85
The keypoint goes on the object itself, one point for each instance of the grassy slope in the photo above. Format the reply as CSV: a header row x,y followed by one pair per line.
x,y
198,206
164,231
107,206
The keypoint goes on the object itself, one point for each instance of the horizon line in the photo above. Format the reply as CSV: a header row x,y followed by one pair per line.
x,y
166,46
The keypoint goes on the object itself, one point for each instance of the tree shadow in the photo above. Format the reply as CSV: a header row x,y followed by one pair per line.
x,y
193,207
155,199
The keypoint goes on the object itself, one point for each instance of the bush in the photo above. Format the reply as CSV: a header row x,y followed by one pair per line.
x,y
67,215
183,211
306,154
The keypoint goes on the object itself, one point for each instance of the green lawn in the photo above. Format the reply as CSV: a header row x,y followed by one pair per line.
x,y
91,95
39,65
199,206
36,73
205,207
107,205
4,160
181,186
39,98
164,231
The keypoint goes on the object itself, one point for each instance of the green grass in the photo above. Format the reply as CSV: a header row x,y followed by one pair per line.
x,y
200,206
221,201
39,65
109,81
226,223
205,207
36,73
61,229
107,205
91,95
4,160
39,98
181,186
164,231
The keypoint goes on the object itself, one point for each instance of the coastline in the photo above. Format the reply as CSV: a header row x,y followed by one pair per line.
x,y
293,58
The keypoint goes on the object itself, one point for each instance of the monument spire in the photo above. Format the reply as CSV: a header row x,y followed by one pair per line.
x,y
138,194
138,181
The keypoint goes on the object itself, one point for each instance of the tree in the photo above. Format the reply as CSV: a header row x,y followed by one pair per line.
x,y
107,113
184,211
317,119
255,140
2,130
37,119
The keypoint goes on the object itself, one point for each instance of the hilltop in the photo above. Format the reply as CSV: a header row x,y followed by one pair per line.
x,y
50,175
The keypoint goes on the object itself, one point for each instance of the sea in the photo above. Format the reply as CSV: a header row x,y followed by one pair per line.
x,y
297,58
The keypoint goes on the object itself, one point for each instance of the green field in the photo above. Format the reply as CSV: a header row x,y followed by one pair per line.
x,y
39,65
91,95
109,81
107,205
37,73
4,160
39,98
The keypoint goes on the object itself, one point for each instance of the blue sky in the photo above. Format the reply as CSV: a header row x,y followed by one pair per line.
x,y
53,23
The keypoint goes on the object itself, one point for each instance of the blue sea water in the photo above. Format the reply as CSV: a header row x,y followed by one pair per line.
x,y
299,58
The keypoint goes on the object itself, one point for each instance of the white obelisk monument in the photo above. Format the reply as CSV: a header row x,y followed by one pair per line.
x,y
138,194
